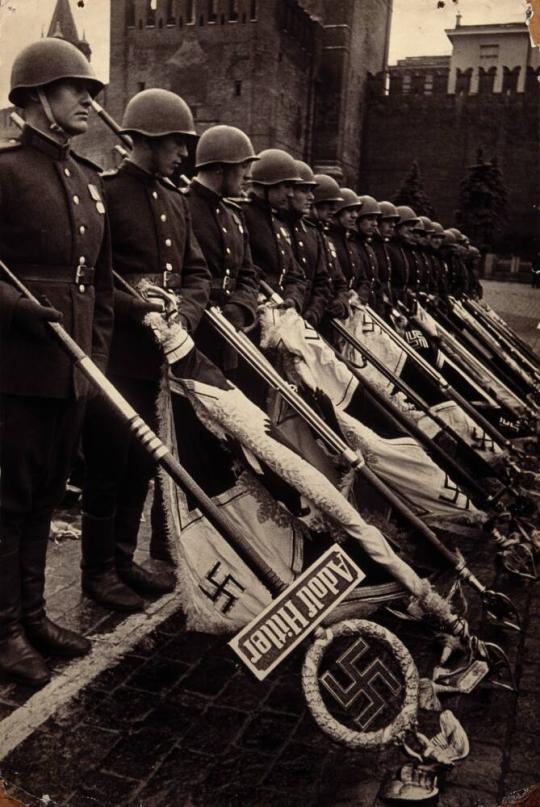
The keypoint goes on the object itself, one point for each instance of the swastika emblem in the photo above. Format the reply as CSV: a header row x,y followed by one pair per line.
x,y
366,684
454,496
221,590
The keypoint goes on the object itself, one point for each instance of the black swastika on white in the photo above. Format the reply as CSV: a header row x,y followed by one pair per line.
x,y
366,683
221,590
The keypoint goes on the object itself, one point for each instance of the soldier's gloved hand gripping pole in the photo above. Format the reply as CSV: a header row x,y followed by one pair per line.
x,y
156,449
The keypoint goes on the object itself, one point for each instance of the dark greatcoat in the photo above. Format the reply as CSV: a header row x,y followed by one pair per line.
x,y
152,237
53,220
309,253
221,232
272,252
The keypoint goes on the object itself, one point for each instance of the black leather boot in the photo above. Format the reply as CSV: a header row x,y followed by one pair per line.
x,y
136,577
21,662
40,631
100,580
49,637
18,659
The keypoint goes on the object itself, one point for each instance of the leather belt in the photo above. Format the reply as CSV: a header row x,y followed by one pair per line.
x,y
80,275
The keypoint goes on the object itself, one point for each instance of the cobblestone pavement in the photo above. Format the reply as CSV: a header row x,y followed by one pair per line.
x,y
164,717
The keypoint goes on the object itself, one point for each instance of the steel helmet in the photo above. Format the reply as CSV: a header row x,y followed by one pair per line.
x,y
406,215
450,239
427,225
156,113
438,229
474,252
50,59
223,144
327,189
460,238
274,166
348,199
388,211
305,173
370,206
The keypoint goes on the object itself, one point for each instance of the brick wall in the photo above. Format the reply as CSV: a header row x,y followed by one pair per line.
x,y
443,133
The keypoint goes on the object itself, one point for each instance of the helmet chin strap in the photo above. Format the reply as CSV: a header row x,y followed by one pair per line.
x,y
54,126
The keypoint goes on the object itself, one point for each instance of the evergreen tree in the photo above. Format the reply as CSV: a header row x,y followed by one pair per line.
x,y
482,213
413,194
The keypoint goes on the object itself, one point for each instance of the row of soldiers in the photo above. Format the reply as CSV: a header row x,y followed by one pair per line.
x,y
65,227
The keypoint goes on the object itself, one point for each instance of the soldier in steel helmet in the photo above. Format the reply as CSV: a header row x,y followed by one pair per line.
x,y
342,231
401,250
439,269
307,245
54,236
326,196
386,229
370,290
152,238
223,161
272,180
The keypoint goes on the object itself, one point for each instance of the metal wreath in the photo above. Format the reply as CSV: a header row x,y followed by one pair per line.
x,y
406,719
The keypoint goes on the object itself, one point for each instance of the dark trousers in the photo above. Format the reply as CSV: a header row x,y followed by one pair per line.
x,y
118,470
38,440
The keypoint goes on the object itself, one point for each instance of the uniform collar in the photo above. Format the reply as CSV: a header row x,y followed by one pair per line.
x,y
131,169
42,142
204,192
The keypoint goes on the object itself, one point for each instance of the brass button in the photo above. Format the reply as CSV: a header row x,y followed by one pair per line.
x,y
228,250
67,172
154,195
82,229
76,199
82,260
168,267
163,217
224,229
168,242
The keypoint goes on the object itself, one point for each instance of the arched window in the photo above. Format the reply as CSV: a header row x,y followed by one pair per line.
x,y
170,12
212,10
486,79
463,81
150,13
130,13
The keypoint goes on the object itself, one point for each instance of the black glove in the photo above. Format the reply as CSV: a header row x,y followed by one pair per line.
x,y
235,314
338,309
139,308
32,318
311,318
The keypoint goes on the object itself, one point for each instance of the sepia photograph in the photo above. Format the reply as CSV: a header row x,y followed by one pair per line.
x,y
269,403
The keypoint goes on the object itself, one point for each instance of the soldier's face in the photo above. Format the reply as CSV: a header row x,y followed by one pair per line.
x,y
169,152
367,225
236,179
301,199
324,211
70,105
279,195
347,218
405,231
436,241
387,228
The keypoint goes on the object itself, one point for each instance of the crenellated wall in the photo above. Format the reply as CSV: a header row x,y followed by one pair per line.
x,y
443,133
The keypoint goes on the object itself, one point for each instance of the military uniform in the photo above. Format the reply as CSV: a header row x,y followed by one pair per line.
x,y
152,238
221,232
54,236
309,253
272,252
346,246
